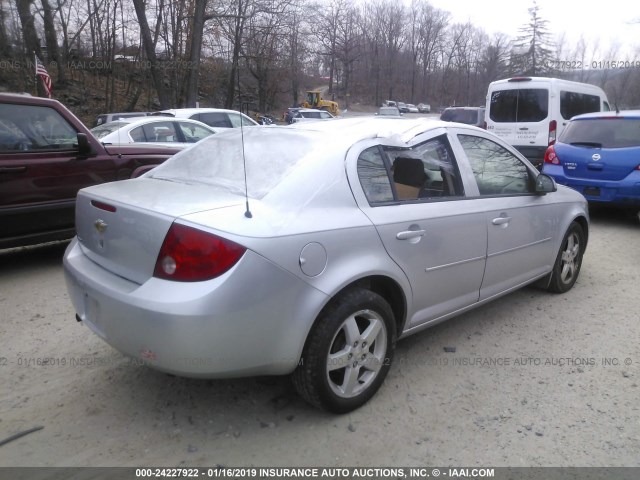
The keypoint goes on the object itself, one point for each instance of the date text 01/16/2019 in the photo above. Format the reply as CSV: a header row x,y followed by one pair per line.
x,y
593,65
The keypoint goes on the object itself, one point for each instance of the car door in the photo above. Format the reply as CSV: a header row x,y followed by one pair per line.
x,y
41,172
415,198
520,223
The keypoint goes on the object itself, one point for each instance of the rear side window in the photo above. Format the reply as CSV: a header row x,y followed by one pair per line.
x,y
573,103
603,132
159,132
374,177
423,172
520,105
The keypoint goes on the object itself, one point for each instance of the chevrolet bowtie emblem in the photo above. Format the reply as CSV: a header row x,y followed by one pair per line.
x,y
100,225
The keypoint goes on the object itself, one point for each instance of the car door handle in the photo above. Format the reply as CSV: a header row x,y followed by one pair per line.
x,y
408,234
501,220
12,169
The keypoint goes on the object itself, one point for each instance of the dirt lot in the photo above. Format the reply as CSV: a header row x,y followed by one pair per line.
x,y
535,379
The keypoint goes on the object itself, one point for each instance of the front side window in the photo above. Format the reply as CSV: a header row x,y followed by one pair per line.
x,y
497,170
519,105
30,127
237,119
193,133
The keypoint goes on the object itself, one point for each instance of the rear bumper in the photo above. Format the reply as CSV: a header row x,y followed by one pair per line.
x,y
625,192
253,320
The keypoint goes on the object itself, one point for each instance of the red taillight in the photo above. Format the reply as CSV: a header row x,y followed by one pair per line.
x,y
191,255
551,157
553,126
103,206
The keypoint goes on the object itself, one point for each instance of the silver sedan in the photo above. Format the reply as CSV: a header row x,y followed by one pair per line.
x,y
309,249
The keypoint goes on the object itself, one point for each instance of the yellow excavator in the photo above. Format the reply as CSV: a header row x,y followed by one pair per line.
x,y
314,100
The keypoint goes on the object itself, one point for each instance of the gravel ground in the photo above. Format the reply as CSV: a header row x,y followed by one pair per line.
x,y
534,379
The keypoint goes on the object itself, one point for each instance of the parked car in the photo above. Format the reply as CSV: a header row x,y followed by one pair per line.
x,y
469,115
310,115
389,111
402,107
214,117
424,108
598,154
314,254
112,117
412,108
152,130
46,156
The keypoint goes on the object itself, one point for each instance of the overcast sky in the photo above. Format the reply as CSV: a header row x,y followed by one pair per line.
x,y
607,20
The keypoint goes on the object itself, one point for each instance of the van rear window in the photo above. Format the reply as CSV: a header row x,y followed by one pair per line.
x,y
520,105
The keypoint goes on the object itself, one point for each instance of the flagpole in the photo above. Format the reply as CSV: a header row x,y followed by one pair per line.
x,y
35,69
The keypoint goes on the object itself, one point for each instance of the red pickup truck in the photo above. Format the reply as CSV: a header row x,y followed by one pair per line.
x,y
46,156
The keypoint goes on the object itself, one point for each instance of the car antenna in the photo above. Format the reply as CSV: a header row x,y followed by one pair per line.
x,y
247,212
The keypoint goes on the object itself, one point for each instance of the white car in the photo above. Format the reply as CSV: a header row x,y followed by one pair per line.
x,y
152,130
214,117
412,108
310,115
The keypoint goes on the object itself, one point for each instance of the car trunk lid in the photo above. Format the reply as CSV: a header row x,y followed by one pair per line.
x,y
606,164
121,226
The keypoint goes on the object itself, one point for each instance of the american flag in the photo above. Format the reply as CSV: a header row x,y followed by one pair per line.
x,y
44,76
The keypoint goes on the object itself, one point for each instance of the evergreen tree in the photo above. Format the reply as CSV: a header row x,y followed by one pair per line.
x,y
532,52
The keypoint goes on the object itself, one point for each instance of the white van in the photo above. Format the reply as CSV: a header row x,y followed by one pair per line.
x,y
531,112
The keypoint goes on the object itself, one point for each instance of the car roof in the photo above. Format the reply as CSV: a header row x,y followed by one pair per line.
x,y
134,121
612,114
465,108
191,111
352,130
310,110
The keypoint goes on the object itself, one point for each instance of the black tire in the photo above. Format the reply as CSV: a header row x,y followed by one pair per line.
x,y
569,260
341,368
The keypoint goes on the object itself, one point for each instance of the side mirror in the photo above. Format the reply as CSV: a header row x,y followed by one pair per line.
x,y
545,184
84,147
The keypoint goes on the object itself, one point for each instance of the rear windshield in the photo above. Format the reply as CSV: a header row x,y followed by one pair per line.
x,y
520,105
107,128
603,132
460,115
218,160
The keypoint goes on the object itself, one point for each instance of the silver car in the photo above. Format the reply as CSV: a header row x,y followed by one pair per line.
x,y
315,250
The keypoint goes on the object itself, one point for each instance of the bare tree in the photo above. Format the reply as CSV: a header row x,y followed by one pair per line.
x,y
150,50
